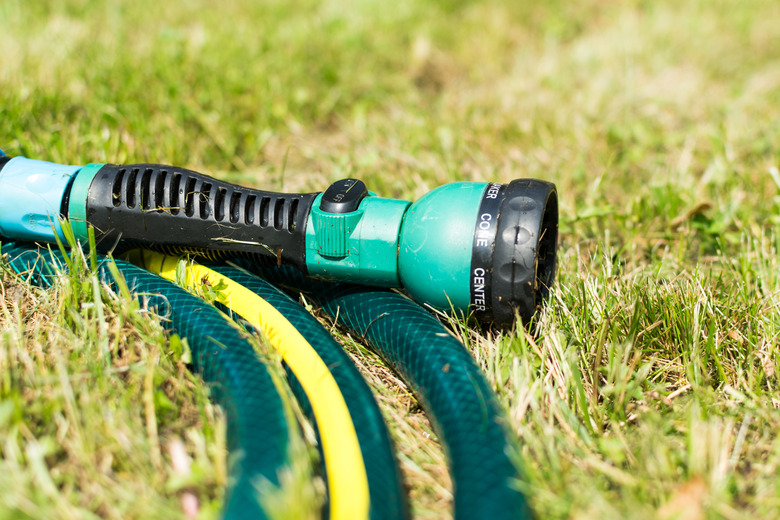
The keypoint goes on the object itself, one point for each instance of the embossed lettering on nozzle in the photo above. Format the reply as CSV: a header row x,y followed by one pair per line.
x,y
525,252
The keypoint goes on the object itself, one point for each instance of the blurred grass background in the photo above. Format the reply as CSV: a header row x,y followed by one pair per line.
x,y
649,387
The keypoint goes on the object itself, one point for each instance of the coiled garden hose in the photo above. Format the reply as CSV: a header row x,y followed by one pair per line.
x,y
258,420
449,384
484,249
361,470
386,492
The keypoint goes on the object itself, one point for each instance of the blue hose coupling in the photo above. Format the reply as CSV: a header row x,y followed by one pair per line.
x,y
31,196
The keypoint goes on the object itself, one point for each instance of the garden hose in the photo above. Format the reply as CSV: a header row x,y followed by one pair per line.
x,y
258,420
486,249
355,442
449,384
386,492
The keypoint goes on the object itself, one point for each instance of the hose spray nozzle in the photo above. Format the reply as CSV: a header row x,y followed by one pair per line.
x,y
484,248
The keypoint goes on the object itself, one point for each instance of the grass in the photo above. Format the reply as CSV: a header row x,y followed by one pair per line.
x,y
649,386
91,405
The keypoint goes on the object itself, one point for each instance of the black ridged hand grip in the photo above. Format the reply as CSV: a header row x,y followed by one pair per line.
x,y
180,210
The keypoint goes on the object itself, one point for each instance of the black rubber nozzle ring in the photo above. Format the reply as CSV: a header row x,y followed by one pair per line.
x,y
524,255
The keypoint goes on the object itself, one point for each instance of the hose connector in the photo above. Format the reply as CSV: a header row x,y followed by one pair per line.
x,y
31,194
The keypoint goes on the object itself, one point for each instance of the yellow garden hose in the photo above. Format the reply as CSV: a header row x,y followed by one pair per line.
x,y
346,472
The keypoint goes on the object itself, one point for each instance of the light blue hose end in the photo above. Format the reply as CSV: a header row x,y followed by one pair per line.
x,y
31,197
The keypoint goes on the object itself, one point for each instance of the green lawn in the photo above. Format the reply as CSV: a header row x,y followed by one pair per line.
x,y
650,385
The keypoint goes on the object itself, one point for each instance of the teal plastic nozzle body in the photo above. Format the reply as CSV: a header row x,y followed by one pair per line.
x,y
482,248
435,247
423,246
360,245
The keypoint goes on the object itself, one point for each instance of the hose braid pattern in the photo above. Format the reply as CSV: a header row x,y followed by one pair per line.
x,y
387,497
447,381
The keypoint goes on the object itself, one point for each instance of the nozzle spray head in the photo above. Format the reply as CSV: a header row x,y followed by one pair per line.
x,y
485,249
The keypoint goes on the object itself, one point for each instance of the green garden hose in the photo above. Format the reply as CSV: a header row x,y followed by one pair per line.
x,y
357,452
258,429
446,380
386,492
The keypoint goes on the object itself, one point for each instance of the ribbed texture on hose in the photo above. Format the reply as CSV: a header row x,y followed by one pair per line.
x,y
388,500
257,429
446,380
